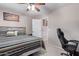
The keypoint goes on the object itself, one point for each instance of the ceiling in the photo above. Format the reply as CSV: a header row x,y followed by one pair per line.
x,y
21,8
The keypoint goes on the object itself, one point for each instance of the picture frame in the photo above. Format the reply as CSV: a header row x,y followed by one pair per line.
x,y
45,22
10,17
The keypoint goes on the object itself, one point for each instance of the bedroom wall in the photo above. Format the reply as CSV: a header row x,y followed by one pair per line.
x,y
24,21
66,18
29,25
12,23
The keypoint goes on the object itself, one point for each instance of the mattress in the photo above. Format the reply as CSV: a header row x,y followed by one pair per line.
x,y
8,41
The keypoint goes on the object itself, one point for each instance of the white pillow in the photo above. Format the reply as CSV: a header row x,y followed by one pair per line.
x,y
12,33
16,33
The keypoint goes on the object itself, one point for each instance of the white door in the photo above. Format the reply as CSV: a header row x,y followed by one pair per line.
x,y
37,27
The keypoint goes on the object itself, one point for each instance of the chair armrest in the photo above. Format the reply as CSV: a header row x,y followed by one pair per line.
x,y
71,47
74,41
69,44
75,45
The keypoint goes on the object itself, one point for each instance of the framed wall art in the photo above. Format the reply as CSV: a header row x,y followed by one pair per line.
x,y
10,17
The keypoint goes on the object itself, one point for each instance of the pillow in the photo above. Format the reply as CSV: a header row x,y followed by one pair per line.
x,y
12,33
16,33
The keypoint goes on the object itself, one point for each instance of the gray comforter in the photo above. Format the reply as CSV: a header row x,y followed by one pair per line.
x,y
7,41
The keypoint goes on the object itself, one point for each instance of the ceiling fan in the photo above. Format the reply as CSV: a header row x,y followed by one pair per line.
x,y
33,6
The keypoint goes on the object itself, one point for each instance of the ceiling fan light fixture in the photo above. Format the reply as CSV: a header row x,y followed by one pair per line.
x,y
37,9
29,7
33,7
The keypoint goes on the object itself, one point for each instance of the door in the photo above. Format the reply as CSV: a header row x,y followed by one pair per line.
x,y
37,27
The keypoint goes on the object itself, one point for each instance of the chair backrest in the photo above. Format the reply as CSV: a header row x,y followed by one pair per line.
x,y
61,37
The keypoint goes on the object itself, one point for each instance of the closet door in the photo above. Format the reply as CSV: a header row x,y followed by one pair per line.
x,y
37,27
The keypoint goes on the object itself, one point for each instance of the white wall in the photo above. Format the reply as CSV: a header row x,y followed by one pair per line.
x,y
24,21
29,25
12,23
66,18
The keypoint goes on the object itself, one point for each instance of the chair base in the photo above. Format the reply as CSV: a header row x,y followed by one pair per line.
x,y
65,54
69,54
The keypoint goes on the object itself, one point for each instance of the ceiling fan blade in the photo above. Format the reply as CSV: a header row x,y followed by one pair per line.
x,y
41,3
37,9
37,3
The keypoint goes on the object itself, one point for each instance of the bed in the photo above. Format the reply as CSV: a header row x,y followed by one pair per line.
x,y
17,45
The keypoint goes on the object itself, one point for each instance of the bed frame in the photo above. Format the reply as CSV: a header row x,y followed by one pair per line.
x,y
19,49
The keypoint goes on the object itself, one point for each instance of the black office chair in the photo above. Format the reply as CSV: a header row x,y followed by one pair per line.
x,y
69,46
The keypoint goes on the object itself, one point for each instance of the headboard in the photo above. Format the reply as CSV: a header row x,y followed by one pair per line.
x,y
4,29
